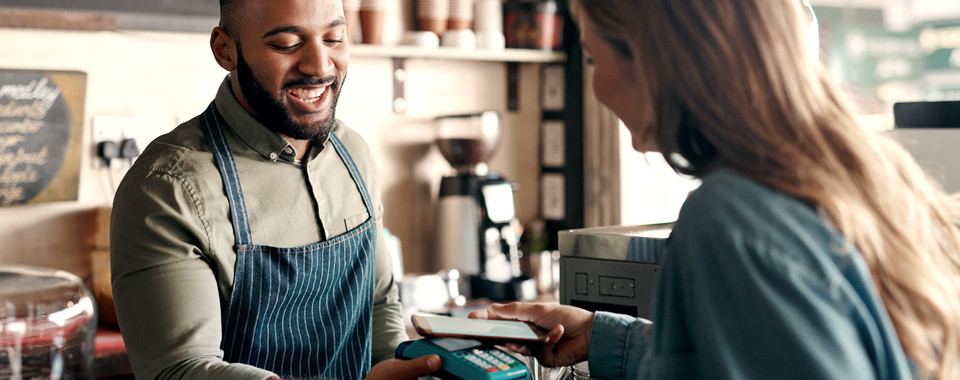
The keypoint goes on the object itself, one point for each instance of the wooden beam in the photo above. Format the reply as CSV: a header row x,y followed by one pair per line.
x,y
50,19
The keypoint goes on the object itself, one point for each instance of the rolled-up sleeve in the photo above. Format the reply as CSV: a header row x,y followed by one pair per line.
x,y
617,344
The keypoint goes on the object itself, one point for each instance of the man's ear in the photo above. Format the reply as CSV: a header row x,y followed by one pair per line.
x,y
224,49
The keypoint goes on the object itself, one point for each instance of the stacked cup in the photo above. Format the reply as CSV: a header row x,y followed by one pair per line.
x,y
461,14
432,15
488,23
459,23
351,12
372,14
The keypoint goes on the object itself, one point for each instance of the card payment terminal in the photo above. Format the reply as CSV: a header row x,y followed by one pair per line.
x,y
465,359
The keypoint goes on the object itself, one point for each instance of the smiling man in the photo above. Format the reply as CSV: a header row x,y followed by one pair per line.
x,y
245,244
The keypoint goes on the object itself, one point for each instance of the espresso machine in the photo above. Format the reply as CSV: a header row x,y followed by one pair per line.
x,y
477,230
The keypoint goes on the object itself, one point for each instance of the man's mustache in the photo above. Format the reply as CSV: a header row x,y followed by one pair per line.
x,y
313,81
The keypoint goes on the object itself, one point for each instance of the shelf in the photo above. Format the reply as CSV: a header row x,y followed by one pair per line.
x,y
505,55
398,54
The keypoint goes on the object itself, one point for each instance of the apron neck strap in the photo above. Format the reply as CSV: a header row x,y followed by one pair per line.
x,y
354,172
213,131
212,128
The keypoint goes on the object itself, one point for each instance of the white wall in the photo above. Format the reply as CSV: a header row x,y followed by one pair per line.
x,y
650,191
165,77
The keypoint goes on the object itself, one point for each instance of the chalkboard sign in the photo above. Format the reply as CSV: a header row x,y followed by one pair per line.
x,y
175,7
41,124
198,16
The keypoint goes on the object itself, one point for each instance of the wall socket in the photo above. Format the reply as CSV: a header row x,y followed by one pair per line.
x,y
115,129
552,91
552,196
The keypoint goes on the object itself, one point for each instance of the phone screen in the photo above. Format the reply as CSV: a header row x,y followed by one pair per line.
x,y
454,344
481,328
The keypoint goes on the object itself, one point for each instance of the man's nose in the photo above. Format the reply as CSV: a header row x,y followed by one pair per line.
x,y
316,60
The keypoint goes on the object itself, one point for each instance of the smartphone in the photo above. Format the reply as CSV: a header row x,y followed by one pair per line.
x,y
484,329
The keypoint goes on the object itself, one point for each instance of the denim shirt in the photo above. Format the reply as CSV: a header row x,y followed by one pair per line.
x,y
754,285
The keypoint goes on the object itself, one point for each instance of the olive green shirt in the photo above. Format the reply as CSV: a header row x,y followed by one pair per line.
x,y
172,239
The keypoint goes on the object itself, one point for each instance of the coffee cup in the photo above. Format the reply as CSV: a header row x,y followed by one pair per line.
x,y
432,15
371,25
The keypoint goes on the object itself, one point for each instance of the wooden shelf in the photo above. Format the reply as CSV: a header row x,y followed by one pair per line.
x,y
505,55
399,54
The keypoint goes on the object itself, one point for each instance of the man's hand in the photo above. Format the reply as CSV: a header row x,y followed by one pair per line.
x,y
396,369
569,326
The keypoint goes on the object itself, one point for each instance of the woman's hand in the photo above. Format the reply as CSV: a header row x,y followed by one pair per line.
x,y
397,369
569,327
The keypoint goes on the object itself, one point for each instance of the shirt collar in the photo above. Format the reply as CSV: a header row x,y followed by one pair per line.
x,y
256,135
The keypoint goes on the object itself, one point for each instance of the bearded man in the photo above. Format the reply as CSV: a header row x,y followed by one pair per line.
x,y
246,243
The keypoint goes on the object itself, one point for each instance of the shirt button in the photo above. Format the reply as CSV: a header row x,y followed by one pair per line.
x,y
288,150
273,155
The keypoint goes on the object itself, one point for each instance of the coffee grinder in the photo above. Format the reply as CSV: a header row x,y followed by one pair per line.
x,y
477,229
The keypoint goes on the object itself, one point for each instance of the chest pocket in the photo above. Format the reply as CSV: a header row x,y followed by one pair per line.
x,y
354,221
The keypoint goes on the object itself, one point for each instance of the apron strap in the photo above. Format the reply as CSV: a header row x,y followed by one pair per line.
x,y
213,131
354,173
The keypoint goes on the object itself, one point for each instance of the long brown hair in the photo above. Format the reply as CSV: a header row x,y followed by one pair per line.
x,y
735,87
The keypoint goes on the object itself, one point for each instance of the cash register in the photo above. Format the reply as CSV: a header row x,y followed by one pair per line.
x,y
612,268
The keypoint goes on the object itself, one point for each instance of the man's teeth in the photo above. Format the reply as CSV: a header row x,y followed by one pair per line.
x,y
308,96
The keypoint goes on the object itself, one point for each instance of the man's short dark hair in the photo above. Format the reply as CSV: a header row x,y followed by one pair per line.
x,y
228,15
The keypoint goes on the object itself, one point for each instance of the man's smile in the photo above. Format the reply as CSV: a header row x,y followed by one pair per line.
x,y
307,95
309,99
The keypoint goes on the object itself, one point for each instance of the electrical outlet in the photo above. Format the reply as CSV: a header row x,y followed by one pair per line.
x,y
552,196
115,129
552,88
553,149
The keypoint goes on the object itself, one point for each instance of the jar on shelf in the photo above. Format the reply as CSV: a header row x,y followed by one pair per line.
x,y
532,24
47,324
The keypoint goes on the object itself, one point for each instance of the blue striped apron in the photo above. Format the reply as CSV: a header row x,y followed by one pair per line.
x,y
303,312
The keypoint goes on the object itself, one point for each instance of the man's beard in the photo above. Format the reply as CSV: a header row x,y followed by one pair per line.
x,y
271,111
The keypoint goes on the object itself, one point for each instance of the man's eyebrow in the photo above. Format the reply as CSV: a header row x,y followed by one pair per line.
x,y
283,29
297,29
